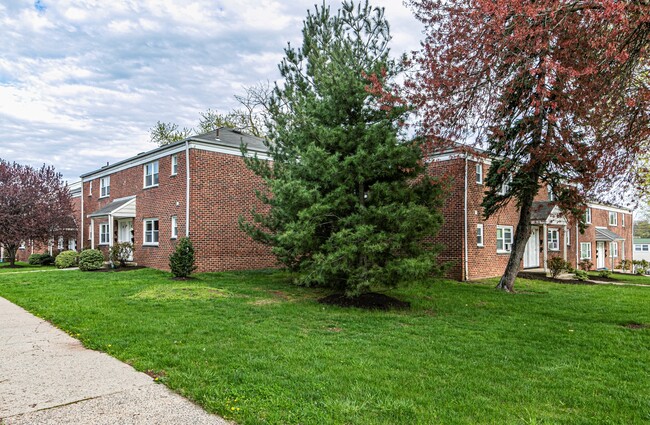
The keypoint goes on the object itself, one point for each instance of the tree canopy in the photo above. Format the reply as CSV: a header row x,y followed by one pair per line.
x,y
557,91
349,203
35,205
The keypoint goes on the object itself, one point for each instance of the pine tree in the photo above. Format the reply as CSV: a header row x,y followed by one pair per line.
x,y
181,261
350,204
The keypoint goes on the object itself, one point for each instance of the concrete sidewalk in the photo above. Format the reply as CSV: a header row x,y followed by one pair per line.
x,y
48,377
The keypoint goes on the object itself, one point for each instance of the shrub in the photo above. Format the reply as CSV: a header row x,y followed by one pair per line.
x,y
625,265
557,265
66,259
581,275
120,253
181,262
586,265
91,259
640,271
605,273
34,259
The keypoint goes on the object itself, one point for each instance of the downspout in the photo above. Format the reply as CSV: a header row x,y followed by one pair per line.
x,y
81,241
465,225
187,188
577,246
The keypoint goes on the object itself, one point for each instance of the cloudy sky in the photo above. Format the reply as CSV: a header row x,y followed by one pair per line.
x,y
83,81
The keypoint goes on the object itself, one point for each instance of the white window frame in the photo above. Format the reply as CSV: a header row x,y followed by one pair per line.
x,y
637,248
645,247
614,215
174,164
505,187
90,232
584,245
151,169
59,244
549,189
622,220
72,244
479,235
174,222
105,187
104,236
23,245
90,188
553,239
567,237
588,216
479,173
506,242
153,233
613,246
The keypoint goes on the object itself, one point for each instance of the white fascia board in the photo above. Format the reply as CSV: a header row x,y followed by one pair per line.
x,y
138,160
228,150
609,208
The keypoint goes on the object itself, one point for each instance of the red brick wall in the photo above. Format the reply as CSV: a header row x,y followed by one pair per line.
x,y
221,189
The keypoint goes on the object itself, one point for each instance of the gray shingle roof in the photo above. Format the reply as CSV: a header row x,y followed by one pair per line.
x,y
607,235
541,210
113,206
233,138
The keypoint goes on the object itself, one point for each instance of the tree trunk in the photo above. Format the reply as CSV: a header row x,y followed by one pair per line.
x,y
507,282
11,255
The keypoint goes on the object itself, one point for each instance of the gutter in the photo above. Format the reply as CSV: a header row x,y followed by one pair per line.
x,y
81,233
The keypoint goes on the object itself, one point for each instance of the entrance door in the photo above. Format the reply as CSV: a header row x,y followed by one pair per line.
x,y
600,255
531,254
125,230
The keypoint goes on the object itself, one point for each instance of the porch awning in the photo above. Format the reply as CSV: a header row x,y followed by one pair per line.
x,y
119,208
607,235
546,212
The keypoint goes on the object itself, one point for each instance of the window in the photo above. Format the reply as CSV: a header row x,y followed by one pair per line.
x,y
174,165
151,174
90,189
151,231
174,227
549,189
585,250
504,238
59,246
553,240
22,245
505,187
90,232
104,187
479,173
613,218
588,216
72,244
567,237
103,234
623,220
614,248
479,235
639,248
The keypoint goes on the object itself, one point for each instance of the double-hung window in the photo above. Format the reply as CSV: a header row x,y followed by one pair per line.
x,y
174,165
588,216
59,245
613,218
585,250
479,173
103,234
504,238
174,227
151,174
479,235
551,195
151,231
567,237
641,248
553,239
505,187
614,248
104,187
72,244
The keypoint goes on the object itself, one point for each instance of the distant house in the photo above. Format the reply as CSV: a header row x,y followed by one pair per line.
x,y
642,249
197,187
479,248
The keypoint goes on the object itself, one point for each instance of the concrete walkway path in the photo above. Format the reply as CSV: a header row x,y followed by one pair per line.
x,y
48,377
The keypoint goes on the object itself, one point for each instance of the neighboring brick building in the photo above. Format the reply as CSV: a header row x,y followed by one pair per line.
x,y
151,200
479,248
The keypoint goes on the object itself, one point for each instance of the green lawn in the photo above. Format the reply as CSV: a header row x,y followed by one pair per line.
x,y
257,350
21,266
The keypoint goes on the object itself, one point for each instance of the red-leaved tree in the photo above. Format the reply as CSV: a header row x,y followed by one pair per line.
x,y
35,205
557,91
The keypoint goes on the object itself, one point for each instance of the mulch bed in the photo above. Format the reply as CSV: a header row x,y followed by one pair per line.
x,y
369,300
635,325
119,269
540,276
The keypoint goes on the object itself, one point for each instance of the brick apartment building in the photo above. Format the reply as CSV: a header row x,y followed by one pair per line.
x,y
197,187
478,248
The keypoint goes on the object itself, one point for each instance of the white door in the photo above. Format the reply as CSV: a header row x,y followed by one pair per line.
x,y
600,255
125,230
531,254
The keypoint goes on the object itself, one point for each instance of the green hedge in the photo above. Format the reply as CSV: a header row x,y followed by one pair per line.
x,y
67,259
91,259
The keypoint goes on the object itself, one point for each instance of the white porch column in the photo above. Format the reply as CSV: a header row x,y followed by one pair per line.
x,y
110,231
545,239
92,233
564,243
